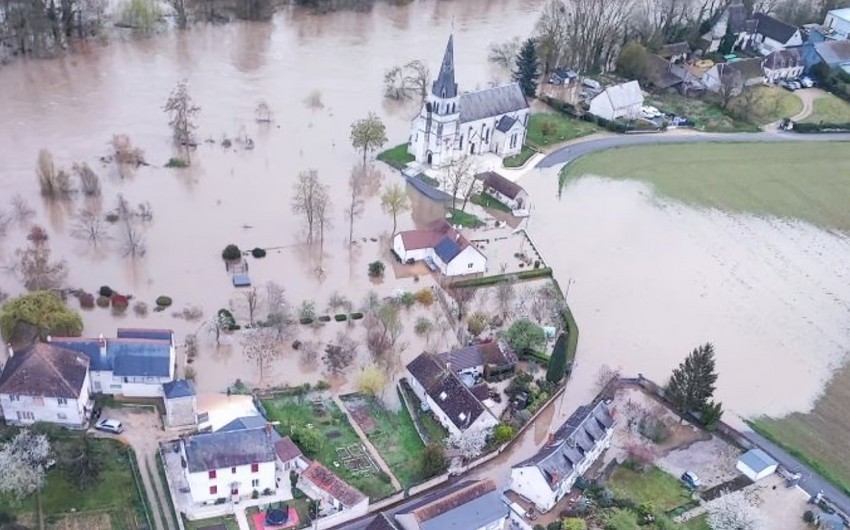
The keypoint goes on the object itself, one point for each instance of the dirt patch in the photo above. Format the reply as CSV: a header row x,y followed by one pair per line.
x,y
82,521
359,410
712,460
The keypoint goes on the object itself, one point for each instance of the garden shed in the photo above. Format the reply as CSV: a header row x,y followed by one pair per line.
x,y
756,464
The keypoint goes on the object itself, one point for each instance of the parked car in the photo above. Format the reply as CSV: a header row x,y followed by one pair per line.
x,y
691,479
650,112
591,84
787,85
807,82
110,426
796,84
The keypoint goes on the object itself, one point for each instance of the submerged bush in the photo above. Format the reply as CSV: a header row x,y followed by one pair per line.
x,y
231,252
102,301
176,163
163,301
259,252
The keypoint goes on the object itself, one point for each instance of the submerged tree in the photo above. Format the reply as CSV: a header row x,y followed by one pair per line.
x,y
692,384
182,113
34,264
262,346
311,200
356,189
368,134
90,227
394,201
340,354
42,310
527,69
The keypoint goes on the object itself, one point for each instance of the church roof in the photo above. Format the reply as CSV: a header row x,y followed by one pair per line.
x,y
491,102
444,86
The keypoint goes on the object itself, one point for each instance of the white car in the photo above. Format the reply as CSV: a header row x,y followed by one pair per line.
x,y
650,112
807,82
111,426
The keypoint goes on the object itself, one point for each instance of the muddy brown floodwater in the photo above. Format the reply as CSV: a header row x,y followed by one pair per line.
x,y
72,106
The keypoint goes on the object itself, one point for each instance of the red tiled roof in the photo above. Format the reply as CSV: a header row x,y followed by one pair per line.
x,y
286,450
429,237
325,480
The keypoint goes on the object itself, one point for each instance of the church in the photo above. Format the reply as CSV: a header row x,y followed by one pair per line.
x,y
493,120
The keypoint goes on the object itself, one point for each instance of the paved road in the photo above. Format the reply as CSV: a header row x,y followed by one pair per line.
x,y
571,152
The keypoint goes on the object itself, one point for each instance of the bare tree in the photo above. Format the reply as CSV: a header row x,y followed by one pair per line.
x,y
308,354
459,180
34,265
90,227
396,84
504,53
263,113
253,299
89,182
731,83
383,331
22,211
182,113
339,355
322,210
394,201
279,315
605,375
54,183
179,7
310,200
418,77
126,155
262,346
354,210
505,296
314,100
133,240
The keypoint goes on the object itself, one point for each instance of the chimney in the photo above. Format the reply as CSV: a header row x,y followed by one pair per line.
x,y
10,350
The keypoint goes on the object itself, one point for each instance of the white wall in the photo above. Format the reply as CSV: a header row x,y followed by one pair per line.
x,y
783,73
530,483
199,483
740,466
71,413
108,383
839,25
601,106
469,261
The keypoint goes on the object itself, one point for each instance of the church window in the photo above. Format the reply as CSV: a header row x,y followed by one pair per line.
x,y
460,146
513,141
486,135
428,106
453,108
443,93
439,129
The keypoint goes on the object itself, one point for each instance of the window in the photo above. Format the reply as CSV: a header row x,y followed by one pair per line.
x,y
233,470
460,146
255,483
62,401
212,473
513,141
25,415
14,397
213,490
469,266
255,468
61,416
234,491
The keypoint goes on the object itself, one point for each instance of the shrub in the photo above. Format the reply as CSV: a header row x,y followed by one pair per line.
x,y
341,317
322,385
189,374
325,318
425,297
306,321
106,291
231,252
376,269
226,319
102,301
408,299
307,310
808,516
120,302
558,362
177,162
140,308
267,491
433,461
525,336
477,323
112,217
502,433
258,252
163,301
255,494
86,300
356,316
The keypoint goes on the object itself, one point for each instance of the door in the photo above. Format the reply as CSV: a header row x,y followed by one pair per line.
x,y
471,148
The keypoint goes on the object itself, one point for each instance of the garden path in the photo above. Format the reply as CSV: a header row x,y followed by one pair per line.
x,y
376,456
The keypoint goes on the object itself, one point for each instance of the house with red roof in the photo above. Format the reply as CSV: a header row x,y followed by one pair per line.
x,y
442,248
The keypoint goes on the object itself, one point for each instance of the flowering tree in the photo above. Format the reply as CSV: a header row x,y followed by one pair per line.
x,y
470,443
22,464
733,511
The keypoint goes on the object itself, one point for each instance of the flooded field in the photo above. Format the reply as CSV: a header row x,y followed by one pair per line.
x,y
73,106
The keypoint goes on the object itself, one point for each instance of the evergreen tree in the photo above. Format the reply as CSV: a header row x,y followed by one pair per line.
x,y
527,69
692,384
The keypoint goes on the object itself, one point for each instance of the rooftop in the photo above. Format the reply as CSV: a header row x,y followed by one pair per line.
x,y
843,13
325,480
446,390
497,353
834,51
773,28
491,102
757,460
749,68
474,506
178,389
134,353
45,370
624,95
286,450
499,183
223,449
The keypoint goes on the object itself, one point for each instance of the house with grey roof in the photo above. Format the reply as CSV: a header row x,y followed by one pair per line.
x,y
734,20
443,249
181,406
616,102
452,124
548,476
136,363
229,465
479,359
506,192
452,401
756,464
45,383
773,34
835,53
477,506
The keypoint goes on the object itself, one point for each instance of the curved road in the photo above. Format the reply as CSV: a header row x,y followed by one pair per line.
x,y
571,152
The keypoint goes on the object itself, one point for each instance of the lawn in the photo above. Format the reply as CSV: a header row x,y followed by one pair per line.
x,y
664,491
830,109
487,201
114,501
547,129
394,436
771,104
432,428
706,115
297,411
463,219
228,522
697,523
520,159
397,156
802,180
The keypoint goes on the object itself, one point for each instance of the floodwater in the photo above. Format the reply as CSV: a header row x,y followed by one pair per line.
x,y
72,106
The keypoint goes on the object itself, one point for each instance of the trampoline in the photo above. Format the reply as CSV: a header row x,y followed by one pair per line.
x,y
277,516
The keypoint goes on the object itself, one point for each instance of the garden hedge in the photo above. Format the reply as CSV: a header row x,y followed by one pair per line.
x,y
485,281
558,362
807,128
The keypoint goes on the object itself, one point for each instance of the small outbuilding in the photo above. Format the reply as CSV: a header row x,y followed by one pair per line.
x,y
180,403
756,464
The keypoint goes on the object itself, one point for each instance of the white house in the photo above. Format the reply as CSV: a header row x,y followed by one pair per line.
x,y
442,248
756,464
135,364
229,465
734,76
838,21
334,494
492,120
783,64
289,456
548,476
733,20
618,101
475,505
48,384
506,192
773,34
181,404
442,391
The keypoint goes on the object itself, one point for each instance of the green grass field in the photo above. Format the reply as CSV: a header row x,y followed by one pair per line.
x,y
520,159
461,218
664,491
297,411
487,201
228,522
706,115
830,109
547,129
771,104
803,180
397,156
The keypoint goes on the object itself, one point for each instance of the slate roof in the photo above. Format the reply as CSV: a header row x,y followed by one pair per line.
x,y
474,506
244,423
497,353
749,68
578,435
787,58
444,86
505,123
44,370
381,522
139,357
491,102
447,249
178,389
659,72
737,21
138,333
676,48
501,184
219,450
325,480
774,28
88,347
446,390
757,460
286,450
834,52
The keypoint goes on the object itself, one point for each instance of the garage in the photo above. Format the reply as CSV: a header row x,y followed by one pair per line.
x,y
756,464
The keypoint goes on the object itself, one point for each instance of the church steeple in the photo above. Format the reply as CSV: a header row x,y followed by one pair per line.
x,y
445,86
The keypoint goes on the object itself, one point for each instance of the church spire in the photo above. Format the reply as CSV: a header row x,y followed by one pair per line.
x,y
445,86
